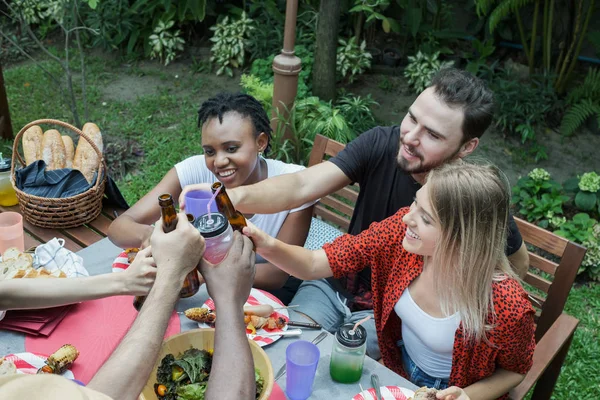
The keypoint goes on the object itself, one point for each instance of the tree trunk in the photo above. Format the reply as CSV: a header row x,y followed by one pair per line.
x,y
326,47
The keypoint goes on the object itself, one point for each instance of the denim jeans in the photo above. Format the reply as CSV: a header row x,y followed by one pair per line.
x,y
416,375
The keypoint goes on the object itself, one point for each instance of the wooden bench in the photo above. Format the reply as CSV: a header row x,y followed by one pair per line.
x,y
550,281
75,238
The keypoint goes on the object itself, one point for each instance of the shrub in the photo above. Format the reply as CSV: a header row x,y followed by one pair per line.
x,y
357,111
585,188
352,60
165,43
584,102
422,67
229,43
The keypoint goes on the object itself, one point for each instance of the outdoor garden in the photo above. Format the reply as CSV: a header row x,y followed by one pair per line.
x,y
140,69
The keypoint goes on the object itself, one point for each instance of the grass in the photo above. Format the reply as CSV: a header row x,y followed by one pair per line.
x,y
164,125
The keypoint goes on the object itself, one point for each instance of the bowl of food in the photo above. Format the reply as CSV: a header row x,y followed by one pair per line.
x,y
183,367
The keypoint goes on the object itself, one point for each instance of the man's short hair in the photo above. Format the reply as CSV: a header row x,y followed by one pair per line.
x,y
461,89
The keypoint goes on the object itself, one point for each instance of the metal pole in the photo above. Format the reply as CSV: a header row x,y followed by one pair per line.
x,y
6,131
286,67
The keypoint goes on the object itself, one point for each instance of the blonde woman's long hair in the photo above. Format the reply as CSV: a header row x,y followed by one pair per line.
x,y
471,203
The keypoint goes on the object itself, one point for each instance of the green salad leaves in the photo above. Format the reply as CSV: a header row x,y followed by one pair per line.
x,y
186,377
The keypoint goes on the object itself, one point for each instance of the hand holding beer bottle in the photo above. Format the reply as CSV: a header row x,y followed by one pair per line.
x,y
169,223
236,219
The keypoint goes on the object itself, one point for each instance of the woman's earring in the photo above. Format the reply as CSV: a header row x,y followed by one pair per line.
x,y
260,153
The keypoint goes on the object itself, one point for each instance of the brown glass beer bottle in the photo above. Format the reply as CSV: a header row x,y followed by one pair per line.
x,y
191,284
236,219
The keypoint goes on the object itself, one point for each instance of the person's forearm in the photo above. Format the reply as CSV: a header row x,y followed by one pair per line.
x,y
125,373
231,348
494,386
297,261
25,293
519,260
126,232
284,193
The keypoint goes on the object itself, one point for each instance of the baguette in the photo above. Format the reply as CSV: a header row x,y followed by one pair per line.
x,y
69,149
32,144
86,159
12,253
53,150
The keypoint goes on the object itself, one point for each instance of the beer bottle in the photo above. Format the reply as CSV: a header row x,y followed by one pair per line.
x,y
236,219
191,284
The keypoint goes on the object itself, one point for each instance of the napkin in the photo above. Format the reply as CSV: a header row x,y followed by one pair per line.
x,y
53,255
41,325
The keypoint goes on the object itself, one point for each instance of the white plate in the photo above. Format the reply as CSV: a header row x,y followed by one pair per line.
x,y
29,363
257,297
387,393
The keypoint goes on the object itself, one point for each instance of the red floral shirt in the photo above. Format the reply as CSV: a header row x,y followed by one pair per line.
x,y
511,341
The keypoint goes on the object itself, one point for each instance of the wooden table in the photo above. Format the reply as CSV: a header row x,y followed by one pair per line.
x,y
75,238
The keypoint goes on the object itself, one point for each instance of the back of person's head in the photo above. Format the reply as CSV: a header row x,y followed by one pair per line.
x,y
471,203
241,103
461,89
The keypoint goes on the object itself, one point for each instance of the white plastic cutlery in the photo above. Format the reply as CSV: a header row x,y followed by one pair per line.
x,y
290,332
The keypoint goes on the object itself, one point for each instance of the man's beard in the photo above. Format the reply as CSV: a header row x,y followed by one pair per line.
x,y
421,167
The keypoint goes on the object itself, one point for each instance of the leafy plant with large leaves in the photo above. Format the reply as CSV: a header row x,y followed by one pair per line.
x,y
352,59
583,103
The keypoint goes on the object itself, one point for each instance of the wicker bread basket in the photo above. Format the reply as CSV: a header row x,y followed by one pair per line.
x,y
65,212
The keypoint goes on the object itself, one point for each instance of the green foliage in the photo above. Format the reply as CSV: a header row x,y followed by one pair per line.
x,y
357,111
585,190
267,40
477,60
8,52
263,92
165,43
421,69
127,26
501,11
522,106
352,60
229,43
594,39
538,197
591,261
584,101
579,229
315,116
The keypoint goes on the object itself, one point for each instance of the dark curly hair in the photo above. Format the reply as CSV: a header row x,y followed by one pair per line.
x,y
245,105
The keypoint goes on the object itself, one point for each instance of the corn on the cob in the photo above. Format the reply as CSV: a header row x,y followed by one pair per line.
x,y
60,361
200,314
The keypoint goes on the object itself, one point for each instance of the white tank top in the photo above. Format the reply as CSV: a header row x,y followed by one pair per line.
x,y
428,340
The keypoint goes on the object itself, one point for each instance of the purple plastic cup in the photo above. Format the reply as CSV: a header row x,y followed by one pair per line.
x,y
196,202
302,358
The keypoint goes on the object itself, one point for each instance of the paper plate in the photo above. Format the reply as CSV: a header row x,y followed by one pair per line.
x,y
29,363
387,393
257,297
121,262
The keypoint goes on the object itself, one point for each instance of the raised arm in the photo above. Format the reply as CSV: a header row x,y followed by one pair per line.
x,y
133,227
288,191
176,253
22,294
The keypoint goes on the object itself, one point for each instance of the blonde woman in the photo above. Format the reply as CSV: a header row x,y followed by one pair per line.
x,y
449,311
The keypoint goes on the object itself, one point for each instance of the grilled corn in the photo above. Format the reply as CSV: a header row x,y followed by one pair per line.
x,y
60,361
200,314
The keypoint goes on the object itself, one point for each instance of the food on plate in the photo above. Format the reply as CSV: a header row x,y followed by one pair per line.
x,y
7,367
60,361
53,150
32,144
16,264
86,159
201,314
262,310
262,322
207,316
131,253
185,377
424,393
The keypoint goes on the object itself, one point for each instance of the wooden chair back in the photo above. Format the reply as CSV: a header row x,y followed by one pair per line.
x,y
336,208
550,279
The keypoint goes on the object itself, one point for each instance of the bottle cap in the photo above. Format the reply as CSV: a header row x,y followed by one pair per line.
x,y
350,337
4,164
211,226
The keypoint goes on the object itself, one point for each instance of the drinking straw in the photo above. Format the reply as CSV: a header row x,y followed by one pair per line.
x,y
210,203
360,322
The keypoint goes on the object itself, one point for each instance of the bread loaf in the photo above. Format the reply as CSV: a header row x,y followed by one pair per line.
x,y
69,150
86,159
32,144
53,150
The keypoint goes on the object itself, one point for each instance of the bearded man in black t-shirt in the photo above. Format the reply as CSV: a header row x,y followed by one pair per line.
x,y
390,164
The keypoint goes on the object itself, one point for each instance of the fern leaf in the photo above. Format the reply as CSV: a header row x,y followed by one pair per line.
x,y
577,114
589,89
483,7
504,9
